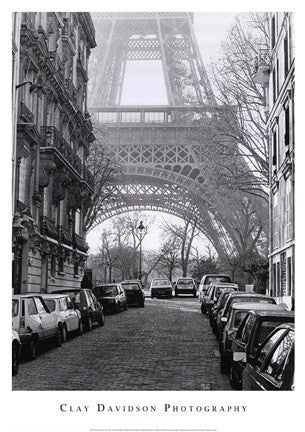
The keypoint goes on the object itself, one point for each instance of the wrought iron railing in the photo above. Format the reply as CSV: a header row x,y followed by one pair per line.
x,y
25,113
80,242
48,227
64,235
53,138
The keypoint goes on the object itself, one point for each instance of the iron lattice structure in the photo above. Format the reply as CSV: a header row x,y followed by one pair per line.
x,y
171,157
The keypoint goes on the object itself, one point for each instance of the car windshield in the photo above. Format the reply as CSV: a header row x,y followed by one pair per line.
x,y
15,304
105,291
131,287
184,282
160,282
238,317
51,304
247,299
215,279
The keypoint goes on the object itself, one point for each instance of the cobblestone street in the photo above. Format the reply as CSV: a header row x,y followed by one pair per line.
x,y
168,345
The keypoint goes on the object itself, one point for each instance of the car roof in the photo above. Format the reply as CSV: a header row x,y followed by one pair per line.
x,y
216,274
272,313
253,306
33,294
224,284
185,278
252,295
106,285
131,281
54,296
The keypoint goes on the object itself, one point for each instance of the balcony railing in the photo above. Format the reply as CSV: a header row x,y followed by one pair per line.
x,y
53,138
48,227
71,89
25,114
64,235
80,242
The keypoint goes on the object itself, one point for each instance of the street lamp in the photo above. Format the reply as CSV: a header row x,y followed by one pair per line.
x,y
141,229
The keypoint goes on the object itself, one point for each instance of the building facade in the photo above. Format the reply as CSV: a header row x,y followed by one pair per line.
x,y
276,71
53,131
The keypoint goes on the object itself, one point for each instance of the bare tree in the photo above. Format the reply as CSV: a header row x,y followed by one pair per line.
x,y
103,170
232,78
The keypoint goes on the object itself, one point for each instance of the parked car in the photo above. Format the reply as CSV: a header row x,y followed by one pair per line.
x,y
34,323
204,300
62,306
16,350
237,313
161,287
273,366
185,286
207,279
134,292
238,297
253,330
85,301
217,308
214,293
111,296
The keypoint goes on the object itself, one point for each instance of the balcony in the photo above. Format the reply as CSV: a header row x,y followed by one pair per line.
x,y
57,63
64,235
261,69
48,227
53,138
71,90
25,114
79,242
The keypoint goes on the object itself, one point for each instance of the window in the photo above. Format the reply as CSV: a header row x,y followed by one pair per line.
x,y
40,307
76,269
274,148
273,31
53,266
15,307
289,276
286,55
287,125
283,273
51,304
32,310
278,360
268,346
60,265
247,328
278,278
264,330
63,304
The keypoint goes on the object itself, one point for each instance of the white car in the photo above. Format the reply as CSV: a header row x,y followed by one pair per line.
x,y
161,287
207,279
34,323
62,306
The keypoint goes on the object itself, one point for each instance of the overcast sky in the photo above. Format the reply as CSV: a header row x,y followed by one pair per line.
x,y
210,30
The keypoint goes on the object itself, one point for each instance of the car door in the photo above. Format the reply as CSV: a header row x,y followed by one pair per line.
x,y
32,319
252,374
47,319
72,315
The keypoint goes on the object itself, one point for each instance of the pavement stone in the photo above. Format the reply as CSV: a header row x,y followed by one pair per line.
x,y
167,345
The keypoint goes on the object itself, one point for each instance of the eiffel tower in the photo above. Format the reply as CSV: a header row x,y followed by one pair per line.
x,y
167,152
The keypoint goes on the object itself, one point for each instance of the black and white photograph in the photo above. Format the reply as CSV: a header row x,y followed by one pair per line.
x,y
152,215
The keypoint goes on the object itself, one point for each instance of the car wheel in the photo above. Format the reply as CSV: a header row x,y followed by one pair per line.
x,y
126,307
101,321
15,355
89,324
58,338
31,350
80,328
64,334
176,293
142,304
224,368
151,296
195,294
203,309
233,380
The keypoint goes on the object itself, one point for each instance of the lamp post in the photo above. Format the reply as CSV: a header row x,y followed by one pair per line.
x,y
141,229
